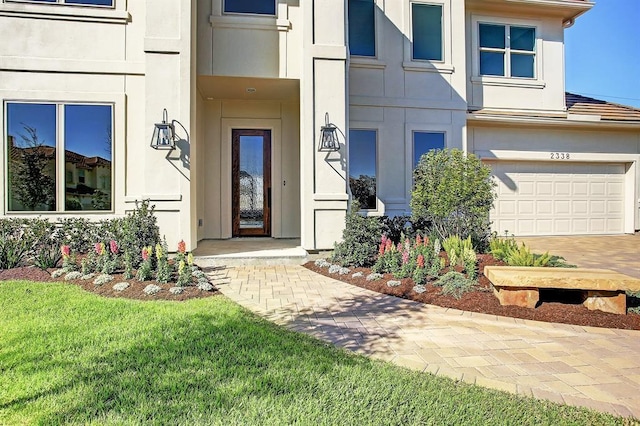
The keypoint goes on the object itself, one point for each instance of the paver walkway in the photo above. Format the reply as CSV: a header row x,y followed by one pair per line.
x,y
585,366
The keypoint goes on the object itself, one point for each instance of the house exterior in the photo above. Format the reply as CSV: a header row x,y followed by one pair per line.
x,y
252,86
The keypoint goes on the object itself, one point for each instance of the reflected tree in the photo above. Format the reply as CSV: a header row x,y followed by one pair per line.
x,y
363,189
31,172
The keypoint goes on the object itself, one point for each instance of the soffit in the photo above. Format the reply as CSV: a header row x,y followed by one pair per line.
x,y
246,88
566,9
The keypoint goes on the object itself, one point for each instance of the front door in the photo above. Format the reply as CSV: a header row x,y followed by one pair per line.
x,y
251,180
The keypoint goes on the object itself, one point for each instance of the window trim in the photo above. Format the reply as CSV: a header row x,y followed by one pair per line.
x,y
116,14
60,166
491,80
444,66
379,205
64,3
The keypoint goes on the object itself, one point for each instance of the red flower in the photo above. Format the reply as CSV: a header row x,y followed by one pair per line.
x,y
182,247
113,246
420,261
66,250
99,247
145,253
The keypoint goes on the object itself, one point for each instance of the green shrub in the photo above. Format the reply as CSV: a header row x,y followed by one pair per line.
x,y
522,256
360,239
397,228
501,248
455,284
454,192
16,242
139,229
48,238
78,233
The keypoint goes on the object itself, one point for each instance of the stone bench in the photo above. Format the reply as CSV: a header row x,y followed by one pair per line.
x,y
520,286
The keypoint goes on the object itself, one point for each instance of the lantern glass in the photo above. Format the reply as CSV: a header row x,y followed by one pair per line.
x,y
163,136
329,139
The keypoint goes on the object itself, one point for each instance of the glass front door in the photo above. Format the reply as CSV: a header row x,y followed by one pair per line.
x,y
251,170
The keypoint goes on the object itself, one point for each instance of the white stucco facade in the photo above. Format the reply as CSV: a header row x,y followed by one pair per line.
x,y
218,72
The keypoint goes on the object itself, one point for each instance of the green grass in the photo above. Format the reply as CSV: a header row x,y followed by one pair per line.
x,y
70,357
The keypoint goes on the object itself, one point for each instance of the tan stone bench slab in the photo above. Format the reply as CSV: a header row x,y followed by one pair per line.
x,y
519,285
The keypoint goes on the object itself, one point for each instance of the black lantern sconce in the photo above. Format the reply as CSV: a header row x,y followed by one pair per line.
x,y
164,134
329,141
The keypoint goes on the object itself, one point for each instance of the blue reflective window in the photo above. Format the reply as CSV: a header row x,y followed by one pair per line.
x,y
423,142
426,22
362,167
362,28
36,150
507,51
259,7
80,2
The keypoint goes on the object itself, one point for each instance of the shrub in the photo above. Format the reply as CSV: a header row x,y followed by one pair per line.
x,y
397,228
460,252
522,256
48,238
78,233
454,192
359,240
16,242
455,284
139,229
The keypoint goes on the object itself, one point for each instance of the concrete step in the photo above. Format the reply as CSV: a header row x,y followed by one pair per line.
x,y
281,256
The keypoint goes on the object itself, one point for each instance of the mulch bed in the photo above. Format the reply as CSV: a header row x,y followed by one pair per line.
x,y
134,291
555,307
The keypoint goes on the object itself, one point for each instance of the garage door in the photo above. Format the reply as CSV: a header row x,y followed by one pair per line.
x,y
540,198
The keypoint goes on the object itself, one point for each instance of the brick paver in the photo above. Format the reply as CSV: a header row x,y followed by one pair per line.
x,y
586,366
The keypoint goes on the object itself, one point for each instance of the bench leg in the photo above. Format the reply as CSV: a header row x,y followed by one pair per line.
x,y
614,302
525,297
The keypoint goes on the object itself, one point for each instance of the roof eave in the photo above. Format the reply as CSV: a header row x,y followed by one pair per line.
x,y
549,121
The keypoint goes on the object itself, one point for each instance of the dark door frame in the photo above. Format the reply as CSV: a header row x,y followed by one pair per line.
x,y
237,231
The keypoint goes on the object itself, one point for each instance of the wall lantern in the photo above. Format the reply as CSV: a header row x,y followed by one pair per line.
x,y
164,134
328,136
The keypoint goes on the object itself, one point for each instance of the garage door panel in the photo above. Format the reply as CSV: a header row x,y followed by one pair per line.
x,y
539,198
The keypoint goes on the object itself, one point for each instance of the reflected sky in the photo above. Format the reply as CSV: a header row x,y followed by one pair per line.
x,y
251,155
423,142
87,128
362,153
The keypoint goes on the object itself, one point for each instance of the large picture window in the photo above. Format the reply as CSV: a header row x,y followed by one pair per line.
x,y
362,167
258,7
59,156
426,24
507,50
362,28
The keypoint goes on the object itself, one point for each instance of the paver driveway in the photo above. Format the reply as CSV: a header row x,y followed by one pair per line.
x,y
620,253
586,366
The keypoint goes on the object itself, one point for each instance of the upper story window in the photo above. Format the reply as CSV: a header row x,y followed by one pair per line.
x,y
54,150
362,28
362,167
426,23
78,2
257,7
507,50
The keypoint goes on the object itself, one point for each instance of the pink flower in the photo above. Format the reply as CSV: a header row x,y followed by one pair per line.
x,y
388,246
384,239
420,261
65,250
405,257
418,240
399,247
182,247
381,249
99,247
145,253
113,246
407,244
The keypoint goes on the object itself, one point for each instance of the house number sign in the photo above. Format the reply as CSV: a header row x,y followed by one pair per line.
x,y
559,155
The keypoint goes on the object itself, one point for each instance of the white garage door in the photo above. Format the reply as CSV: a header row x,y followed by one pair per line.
x,y
541,198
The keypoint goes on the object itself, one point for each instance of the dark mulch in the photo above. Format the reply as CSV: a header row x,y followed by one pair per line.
x,y
553,307
134,291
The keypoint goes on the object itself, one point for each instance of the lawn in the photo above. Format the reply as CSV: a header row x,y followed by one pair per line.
x,y
67,356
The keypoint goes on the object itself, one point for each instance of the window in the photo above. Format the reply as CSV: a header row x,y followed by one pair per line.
x,y
362,28
362,167
507,51
78,2
57,152
426,24
258,7
423,142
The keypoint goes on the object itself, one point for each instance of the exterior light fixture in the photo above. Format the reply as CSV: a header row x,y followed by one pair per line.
x,y
164,134
328,136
